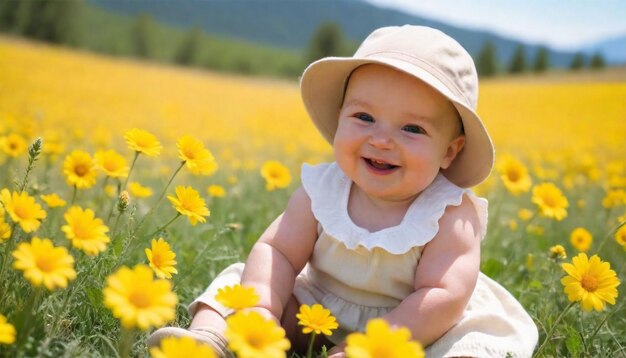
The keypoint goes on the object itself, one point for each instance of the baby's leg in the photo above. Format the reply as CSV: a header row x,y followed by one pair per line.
x,y
207,317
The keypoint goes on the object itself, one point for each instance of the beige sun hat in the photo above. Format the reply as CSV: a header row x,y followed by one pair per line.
x,y
423,52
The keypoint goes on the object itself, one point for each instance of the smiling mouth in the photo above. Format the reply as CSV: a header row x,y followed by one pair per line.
x,y
379,165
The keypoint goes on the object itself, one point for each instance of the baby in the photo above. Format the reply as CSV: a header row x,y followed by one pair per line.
x,y
390,228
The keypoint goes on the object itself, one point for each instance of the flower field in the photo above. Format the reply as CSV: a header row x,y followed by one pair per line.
x,y
126,187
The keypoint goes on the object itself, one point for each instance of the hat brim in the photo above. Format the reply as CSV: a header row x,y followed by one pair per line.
x,y
322,85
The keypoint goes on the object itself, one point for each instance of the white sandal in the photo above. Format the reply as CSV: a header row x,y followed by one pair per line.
x,y
206,335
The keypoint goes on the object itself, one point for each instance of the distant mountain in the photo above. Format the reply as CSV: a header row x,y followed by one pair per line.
x,y
613,50
290,23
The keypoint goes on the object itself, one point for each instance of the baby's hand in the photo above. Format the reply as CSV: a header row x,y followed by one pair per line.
x,y
338,351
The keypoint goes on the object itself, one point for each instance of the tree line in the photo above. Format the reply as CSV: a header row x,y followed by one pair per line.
x,y
70,22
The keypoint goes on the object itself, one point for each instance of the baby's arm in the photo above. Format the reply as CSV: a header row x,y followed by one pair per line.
x,y
281,253
445,277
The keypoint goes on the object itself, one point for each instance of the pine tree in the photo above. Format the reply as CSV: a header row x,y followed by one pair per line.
x,y
143,35
486,63
578,62
326,41
542,61
190,47
518,61
597,61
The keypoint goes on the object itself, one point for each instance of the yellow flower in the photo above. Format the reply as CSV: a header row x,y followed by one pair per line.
x,y
13,145
184,347
110,190
276,175
379,340
7,331
139,191
139,300
550,201
514,175
44,264
198,159
316,319
143,142
558,252
5,230
80,169
52,200
189,203
613,198
161,259
620,236
525,214
216,191
252,336
85,231
237,297
581,239
112,163
590,282
22,209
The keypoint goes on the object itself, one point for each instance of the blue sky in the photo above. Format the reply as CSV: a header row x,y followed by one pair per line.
x,y
562,24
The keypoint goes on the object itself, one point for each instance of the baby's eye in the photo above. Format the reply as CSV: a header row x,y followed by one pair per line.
x,y
414,129
364,117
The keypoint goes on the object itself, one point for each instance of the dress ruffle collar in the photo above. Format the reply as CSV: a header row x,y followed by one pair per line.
x,y
329,189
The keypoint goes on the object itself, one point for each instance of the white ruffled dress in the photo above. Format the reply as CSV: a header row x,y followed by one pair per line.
x,y
360,275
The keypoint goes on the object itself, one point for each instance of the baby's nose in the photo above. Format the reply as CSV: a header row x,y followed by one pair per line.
x,y
381,138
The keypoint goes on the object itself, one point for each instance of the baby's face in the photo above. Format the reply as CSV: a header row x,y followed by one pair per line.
x,y
394,133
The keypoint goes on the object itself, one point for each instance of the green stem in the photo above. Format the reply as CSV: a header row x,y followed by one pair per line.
x,y
126,342
164,226
130,170
609,234
309,352
33,152
153,208
74,195
26,327
549,335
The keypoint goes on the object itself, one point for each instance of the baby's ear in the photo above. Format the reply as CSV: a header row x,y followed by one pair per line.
x,y
454,148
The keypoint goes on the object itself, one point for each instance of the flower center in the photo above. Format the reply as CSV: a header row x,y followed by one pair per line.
x,y
514,175
45,264
255,339
21,211
80,170
550,201
589,283
140,299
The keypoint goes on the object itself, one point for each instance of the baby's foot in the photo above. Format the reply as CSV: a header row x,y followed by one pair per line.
x,y
206,335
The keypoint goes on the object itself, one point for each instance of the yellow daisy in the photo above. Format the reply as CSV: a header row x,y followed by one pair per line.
x,y
237,297
139,300
550,201
44,264
80,169
23,209
216,191
52,200
139,191
197,158
613,198
525,214
7,331
112,163
276,175
13,145
316,319
5,230
514,175
581,239
161,259
250,335
143,142
590,282
558,252
184,347
379,340
85,231
620,236
189,203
